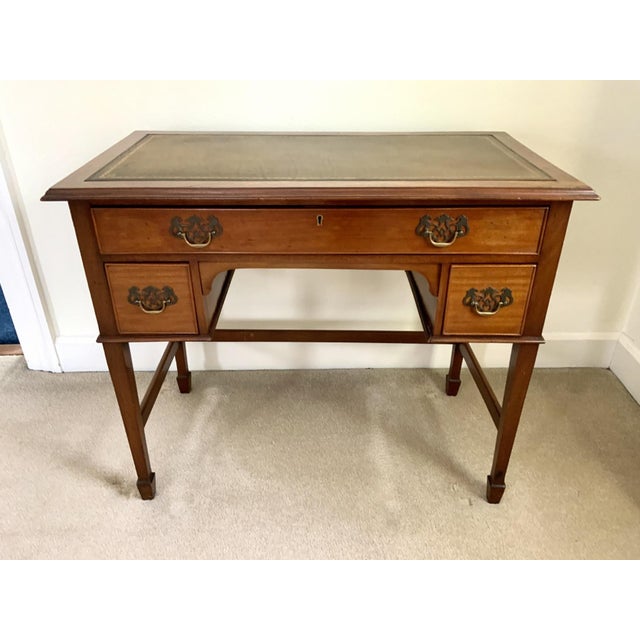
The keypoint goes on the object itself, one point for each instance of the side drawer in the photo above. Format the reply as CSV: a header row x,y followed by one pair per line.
x,y
488,299
152,298
448,230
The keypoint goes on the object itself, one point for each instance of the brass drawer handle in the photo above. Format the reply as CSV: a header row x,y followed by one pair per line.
x,y
196,232
489,301
444,230
151,299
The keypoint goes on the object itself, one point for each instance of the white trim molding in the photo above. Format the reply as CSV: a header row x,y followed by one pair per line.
x,y
625,364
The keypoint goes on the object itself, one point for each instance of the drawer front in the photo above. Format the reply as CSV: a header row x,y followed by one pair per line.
x,y
152,298
487,299
328,231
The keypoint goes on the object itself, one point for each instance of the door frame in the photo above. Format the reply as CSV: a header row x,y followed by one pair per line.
x,y
19,283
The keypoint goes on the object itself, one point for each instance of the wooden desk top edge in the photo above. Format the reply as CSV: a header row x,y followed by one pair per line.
x,y
561,186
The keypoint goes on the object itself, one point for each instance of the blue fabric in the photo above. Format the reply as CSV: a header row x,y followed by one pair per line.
x,y
7,331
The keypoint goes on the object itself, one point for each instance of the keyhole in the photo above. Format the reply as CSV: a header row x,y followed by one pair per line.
x,y
319,220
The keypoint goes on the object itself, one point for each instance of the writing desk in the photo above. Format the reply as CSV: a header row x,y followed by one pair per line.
x,y
476,220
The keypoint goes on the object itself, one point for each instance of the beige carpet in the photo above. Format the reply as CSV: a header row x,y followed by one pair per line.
x,y
317,464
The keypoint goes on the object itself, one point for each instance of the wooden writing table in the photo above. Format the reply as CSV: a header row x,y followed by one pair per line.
x,y
476,220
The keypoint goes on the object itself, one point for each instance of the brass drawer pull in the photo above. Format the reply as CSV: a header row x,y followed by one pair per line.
x,y
444,230
196,232
489,301
151,299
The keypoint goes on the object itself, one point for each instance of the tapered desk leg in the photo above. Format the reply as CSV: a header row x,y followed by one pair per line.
x,y
452,381
523,357
184,375
124,383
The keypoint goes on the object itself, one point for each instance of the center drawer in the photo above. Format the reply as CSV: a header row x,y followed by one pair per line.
x,y
452,230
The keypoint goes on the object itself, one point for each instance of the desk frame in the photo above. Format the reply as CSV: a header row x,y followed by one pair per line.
x,y
368,183
505,414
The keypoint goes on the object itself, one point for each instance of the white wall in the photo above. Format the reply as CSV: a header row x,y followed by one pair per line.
x,y
587,128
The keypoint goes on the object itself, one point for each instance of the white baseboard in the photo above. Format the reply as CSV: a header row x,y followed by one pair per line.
x,y
561,350
577,350
625,364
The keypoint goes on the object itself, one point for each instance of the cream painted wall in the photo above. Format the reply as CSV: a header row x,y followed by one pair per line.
x,y
587,128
